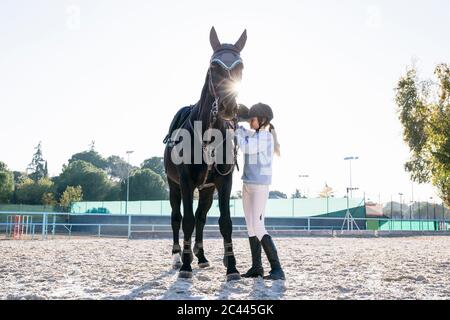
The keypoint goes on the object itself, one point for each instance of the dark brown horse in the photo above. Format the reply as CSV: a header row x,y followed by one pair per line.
x,y
202,167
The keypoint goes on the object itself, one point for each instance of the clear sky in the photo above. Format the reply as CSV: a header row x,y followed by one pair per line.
x,y
117,71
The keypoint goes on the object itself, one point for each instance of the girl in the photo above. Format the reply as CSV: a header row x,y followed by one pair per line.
x,y
258,148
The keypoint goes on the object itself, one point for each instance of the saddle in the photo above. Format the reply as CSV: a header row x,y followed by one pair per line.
x,y
178,121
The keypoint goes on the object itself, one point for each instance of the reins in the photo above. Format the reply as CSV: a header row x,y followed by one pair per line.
x,y
212,121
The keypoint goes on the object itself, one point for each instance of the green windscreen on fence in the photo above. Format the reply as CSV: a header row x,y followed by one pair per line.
x,y
274,208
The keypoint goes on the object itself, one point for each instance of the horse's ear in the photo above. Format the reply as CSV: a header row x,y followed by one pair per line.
x,y
240,44
214,39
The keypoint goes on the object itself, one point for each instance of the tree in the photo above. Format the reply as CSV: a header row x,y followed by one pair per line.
x,y
117,167
237,195
48,199
93,181
277,195
114,193
327,192
37,169
3,166
31,192
6,183
92,157
426,127
19,176
156,164
297,194
145,185
92,146
71,195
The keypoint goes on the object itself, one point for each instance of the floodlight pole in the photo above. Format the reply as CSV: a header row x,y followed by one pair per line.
x,y
128,182
304,176
349,159
348,216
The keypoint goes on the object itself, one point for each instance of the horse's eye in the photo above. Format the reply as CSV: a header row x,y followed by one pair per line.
x,y
221,71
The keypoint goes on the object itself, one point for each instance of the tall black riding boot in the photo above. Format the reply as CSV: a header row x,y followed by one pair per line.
x,y
257,269
271,251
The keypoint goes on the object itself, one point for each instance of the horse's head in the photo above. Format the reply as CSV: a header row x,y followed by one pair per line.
x,y
225,73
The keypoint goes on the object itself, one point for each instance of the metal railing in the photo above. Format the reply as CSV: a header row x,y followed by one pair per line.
x,y
302,224
275,207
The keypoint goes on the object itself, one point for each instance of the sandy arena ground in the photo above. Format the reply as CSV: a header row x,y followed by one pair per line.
x,y
316,268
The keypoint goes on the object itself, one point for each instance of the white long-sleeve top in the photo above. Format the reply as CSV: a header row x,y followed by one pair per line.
x,y
258,149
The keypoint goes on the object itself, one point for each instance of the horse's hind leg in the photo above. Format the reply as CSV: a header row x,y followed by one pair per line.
x,y
204,204
176,217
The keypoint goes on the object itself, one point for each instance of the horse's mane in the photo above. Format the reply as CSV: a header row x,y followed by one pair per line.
x,y
205,99
205,89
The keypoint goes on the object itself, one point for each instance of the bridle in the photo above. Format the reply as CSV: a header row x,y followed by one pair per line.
x,y
215,105
213,117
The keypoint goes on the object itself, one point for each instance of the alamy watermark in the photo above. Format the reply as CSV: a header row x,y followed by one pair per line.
x,y
374,17
213,147
73,17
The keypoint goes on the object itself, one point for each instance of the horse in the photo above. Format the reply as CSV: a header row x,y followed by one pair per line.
x,y
217,110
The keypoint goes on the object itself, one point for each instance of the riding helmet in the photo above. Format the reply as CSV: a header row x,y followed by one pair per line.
x,y
261,110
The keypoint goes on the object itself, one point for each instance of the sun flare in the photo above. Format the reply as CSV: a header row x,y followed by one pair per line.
x,y
236,87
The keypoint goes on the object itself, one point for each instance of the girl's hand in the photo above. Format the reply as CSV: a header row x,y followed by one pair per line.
x,y
242,113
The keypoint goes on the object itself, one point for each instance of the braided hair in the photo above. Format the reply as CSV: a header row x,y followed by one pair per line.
x,y
263,122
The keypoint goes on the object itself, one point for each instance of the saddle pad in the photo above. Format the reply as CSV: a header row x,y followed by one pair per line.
x,y
180,118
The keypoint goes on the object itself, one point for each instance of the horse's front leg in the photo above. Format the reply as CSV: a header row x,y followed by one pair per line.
x,y
188,222
204,204
226,226
176,218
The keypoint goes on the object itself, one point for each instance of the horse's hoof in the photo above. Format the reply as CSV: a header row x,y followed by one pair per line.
x,y
204,265
176,261
185,275
233,277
